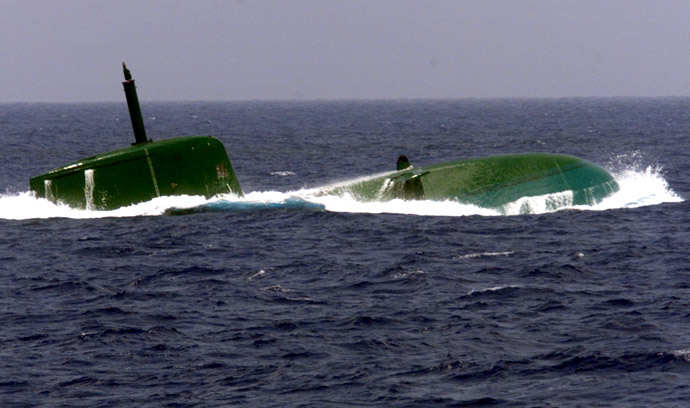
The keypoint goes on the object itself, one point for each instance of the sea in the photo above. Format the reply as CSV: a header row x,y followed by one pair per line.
x,y
284,298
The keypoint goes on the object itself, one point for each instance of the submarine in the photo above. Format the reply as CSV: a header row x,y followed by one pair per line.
x,y
192,165
199,165
491,182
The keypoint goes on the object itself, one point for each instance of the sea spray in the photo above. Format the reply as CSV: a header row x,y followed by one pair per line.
x,y
637,188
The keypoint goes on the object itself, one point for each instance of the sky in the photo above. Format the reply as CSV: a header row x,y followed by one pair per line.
x,y
72,50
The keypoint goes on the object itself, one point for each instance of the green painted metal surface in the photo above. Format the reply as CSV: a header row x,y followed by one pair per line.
x,y
196,165
489,182
199,165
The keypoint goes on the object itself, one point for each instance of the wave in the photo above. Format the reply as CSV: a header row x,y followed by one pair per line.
x,y
638,187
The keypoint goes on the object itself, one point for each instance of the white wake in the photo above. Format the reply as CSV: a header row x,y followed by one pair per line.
x,y
637,188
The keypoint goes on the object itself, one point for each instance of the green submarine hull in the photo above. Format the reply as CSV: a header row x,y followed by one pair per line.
x,y
196,165
489,182
199,165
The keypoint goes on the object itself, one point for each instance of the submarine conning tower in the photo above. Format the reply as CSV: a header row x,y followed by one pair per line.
x,y
134,109
192,165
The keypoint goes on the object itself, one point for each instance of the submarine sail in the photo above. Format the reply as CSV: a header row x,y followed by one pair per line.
x,y
193,165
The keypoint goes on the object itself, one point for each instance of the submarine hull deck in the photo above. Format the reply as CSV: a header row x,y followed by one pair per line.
x,y
490,182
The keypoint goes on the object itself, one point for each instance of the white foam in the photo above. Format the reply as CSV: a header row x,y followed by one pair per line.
x,y
682,354
492,289
258,274
539,204
484,255
348,204
637,188
25,206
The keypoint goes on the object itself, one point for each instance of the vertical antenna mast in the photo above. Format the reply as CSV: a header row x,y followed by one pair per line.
x,y
134,109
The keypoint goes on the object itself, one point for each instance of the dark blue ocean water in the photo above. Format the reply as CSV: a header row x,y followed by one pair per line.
x,y
277,303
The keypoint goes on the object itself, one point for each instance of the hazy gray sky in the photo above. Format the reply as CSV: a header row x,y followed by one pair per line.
x,y
71,50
